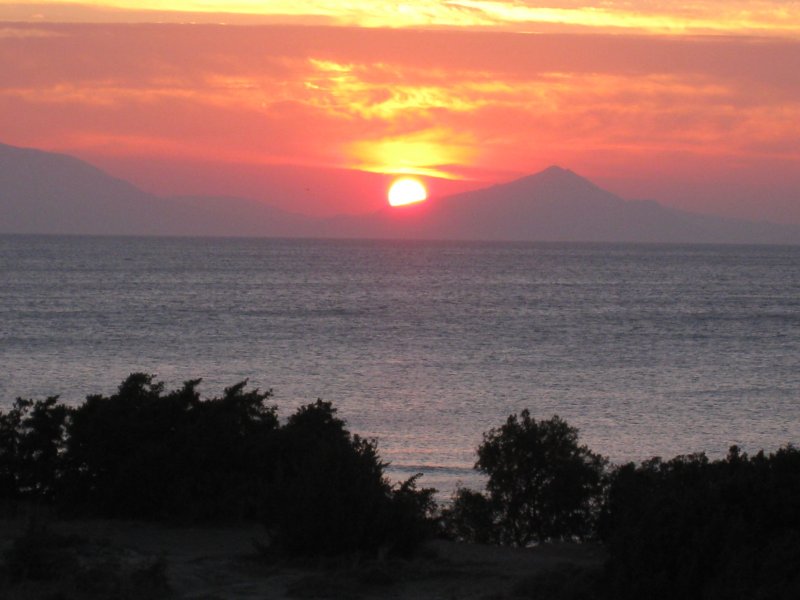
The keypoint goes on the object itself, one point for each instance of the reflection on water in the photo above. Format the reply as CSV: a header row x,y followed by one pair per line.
x,y
649,350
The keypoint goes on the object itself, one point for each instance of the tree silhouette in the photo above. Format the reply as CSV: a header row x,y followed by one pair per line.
x,y
146,453
705,530
542,485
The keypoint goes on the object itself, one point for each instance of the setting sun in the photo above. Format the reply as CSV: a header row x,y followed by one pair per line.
x,y
407,191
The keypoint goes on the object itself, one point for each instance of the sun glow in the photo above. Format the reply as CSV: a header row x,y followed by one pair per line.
x,y
407,191
777,17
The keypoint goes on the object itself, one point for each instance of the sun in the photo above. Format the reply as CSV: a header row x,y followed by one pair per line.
x,y
406,190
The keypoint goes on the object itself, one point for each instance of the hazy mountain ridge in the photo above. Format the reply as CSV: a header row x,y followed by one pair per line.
x,y
42,192
558,205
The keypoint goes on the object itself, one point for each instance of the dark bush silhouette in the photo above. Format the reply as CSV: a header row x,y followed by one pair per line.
x,y
332,495
413,517
694,529
32,438
146,453
687,528
542,485
143,453
471,517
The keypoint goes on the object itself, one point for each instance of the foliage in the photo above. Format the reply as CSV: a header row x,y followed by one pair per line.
x,y
332,496
32,439
143,453
471,517
695,529
146,453
412,516
542,485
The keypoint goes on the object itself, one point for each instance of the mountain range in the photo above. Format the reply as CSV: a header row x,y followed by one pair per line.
x,y
48,193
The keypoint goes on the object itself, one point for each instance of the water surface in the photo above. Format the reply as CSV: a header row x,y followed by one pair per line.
x,y
649,350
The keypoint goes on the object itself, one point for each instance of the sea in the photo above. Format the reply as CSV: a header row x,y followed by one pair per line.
x,y
649,350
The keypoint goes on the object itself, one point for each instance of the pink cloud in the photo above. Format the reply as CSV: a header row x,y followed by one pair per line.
x,y
454,103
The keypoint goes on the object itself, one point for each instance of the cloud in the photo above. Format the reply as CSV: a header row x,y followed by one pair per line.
x,y
437,102
765,17
27,32
429,151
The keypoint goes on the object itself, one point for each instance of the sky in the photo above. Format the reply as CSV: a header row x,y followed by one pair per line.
x,y
314,106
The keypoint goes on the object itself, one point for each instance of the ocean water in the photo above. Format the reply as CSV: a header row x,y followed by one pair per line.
x,y
649,350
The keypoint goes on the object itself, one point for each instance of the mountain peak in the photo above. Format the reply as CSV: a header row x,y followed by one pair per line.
x,y
554,169
554,179
41,192
557,173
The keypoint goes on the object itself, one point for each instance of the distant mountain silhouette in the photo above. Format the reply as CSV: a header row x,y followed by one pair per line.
x,y
42,192
558,205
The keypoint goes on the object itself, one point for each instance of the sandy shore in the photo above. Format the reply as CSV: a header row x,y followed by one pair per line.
x,y
220,563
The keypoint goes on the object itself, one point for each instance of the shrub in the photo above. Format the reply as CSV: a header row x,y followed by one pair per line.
x,y
471,517
32,441
147,453
143,453
695,529
412,517
541,485
333,497
229,449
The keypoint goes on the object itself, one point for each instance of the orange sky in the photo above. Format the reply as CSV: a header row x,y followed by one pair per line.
x,y
310,107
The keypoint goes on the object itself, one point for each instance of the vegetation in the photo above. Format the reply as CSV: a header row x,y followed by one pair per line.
x,y
542,485
32,442
698,529
331,495
147,453
685,528
144,453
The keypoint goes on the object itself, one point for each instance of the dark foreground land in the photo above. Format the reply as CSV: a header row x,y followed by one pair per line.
x,y
131,560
